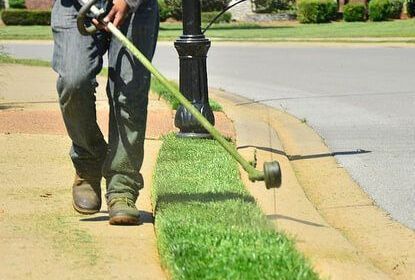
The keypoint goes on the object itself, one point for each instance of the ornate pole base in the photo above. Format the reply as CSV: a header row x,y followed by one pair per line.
x,y
192,51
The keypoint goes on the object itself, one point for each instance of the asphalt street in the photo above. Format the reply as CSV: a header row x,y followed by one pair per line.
x,y
361,100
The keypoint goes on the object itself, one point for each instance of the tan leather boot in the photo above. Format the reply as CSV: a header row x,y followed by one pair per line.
x,y
86,195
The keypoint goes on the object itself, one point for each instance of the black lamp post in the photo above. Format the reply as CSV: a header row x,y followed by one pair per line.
x,y
192,47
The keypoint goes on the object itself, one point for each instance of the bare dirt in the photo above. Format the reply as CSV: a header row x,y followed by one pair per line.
x,y
335,224
42,237
41,234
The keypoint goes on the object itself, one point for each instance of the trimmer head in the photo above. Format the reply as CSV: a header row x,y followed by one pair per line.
x,y
272,174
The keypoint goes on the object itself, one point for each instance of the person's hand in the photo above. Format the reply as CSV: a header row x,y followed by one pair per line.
x,y
116,15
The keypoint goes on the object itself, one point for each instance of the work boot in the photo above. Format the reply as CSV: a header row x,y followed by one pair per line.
x,y
86,195
122,211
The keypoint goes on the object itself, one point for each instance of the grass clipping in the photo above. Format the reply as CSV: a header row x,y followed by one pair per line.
x,y
208,226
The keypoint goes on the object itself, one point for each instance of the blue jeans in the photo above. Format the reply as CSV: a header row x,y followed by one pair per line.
x,y
78,59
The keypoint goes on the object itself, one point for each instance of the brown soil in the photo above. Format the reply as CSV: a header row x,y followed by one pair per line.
x,y
333,221
42,236
32,121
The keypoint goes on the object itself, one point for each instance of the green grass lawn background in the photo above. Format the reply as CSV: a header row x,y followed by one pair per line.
x,y
256,32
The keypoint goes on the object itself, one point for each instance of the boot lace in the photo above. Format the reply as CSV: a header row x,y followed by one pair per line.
x,y
125,200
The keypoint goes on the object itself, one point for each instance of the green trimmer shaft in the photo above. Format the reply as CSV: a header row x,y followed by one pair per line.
x,y
271,171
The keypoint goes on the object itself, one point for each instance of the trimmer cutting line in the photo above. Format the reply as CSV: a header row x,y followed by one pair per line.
x,y
271,170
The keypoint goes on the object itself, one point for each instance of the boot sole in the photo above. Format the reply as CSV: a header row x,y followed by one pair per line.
x,y
124,220
84,211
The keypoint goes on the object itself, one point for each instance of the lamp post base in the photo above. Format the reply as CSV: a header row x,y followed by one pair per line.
x,y
189,126
192,51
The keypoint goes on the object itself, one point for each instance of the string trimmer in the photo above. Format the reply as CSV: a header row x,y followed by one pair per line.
x,y
271,170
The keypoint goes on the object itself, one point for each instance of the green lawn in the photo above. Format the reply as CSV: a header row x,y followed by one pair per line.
x,y
261,32
283,31
207,224
30,62
25,33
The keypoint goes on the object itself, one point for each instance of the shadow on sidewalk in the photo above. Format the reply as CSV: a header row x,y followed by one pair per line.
x,y
145,218
276,217
10,106
300,157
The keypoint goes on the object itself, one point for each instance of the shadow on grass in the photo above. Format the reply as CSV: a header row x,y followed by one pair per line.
x,y
202,197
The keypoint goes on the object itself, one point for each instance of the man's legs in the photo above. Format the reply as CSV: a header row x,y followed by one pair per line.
x,y
127,90
78,59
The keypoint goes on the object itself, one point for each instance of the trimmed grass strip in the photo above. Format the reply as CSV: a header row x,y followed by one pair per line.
x,y
207,224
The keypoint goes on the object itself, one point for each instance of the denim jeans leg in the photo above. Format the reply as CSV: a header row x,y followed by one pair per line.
x,y
78,59
127,90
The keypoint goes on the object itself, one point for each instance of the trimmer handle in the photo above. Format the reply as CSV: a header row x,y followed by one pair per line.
x,y
82,16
